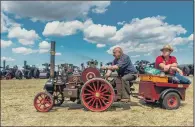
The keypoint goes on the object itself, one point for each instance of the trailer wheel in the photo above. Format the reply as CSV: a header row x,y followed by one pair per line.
x,y
97,95
171,101
58,98
43,102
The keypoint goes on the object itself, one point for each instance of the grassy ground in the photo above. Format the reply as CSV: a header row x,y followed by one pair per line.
x,y
17,110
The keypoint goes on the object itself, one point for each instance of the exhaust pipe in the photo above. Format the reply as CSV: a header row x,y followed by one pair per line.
x,y
3,64
52,59
25,63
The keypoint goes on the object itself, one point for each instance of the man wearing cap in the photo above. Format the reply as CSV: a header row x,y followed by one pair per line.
x,y
166,62
125,69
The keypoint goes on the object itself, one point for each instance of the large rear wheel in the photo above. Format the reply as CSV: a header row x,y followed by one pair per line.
x,y
97,94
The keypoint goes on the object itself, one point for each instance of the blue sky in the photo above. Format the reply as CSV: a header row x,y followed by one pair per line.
x,y
92,29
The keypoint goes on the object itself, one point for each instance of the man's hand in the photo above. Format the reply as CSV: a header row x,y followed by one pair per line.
x,y
104,67
179,71
108,73
167,67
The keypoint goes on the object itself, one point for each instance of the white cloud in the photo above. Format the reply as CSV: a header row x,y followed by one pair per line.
x,y
23,50
43,50
7,58
57,28
191,37
58,54
5,44
44,45
136,56
7,23
54,10
147,54
147,35
139,35
121,23
25,37
92,32
100,45
98,33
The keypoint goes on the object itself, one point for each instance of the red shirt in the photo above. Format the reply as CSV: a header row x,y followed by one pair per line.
x,y
160,59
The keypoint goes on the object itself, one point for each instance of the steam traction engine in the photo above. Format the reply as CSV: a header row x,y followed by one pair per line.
x,y
97,94
94,92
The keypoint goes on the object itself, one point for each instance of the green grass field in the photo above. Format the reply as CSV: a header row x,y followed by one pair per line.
x,y
17,110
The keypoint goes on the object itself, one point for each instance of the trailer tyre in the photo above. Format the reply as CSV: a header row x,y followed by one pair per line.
x,y
171,101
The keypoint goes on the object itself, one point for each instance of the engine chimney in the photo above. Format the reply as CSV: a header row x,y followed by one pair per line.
x,y
25,63
52,59
3,64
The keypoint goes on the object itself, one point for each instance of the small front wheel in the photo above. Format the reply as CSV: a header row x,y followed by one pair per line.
x,y
171,101
43,102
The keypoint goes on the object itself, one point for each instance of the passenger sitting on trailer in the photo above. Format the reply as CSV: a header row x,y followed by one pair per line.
x,y
125,69
166,62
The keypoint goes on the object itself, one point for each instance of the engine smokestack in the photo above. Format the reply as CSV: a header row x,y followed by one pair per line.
x,y
25,63
3,64
52,59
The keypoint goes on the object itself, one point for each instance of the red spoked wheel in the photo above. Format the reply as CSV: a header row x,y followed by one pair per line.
x,y
171,101
97,95
90,73
43,102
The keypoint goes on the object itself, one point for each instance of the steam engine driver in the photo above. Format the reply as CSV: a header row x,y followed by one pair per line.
x,y
123,65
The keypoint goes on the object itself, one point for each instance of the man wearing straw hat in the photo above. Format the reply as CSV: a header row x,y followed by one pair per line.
x,y
166,62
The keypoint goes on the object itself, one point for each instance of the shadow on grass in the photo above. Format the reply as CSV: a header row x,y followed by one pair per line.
x,y
115,106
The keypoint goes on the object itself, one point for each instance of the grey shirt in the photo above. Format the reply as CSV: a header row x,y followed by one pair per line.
x,y
125,65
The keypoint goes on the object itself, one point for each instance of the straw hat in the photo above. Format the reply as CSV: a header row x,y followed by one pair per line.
x,y
167,47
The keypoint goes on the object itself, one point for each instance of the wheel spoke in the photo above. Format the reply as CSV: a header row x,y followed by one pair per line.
x,y
89,91
90,101
104,98
104,92
96,104
39,98
94,100
40,105
100,103
94,86
104,88
91,87
87,94
103,101
98,85
107,95
89,97
38,101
